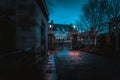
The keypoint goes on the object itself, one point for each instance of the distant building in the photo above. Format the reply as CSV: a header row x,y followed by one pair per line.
x,y
61,32
23,24
88,38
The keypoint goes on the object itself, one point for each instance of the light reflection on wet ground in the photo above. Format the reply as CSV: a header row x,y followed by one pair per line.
x,y
77,65
48,68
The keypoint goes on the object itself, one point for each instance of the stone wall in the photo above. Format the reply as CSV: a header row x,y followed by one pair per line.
x,y
29,22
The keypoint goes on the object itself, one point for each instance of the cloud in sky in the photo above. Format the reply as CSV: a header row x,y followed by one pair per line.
x,y
64,11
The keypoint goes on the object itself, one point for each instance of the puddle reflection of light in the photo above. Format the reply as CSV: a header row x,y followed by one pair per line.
x,y
75,55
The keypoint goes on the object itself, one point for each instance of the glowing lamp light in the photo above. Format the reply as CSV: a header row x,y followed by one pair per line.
x,y
50,26
114,27
73,26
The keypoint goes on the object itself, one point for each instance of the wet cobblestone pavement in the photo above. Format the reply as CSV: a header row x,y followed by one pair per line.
x,y
69,65
48,69
78,65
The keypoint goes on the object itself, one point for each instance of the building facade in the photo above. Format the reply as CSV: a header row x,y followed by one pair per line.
x,y
88,38
62,33
23,24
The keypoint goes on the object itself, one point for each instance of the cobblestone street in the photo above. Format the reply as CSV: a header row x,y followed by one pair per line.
x,y
78,65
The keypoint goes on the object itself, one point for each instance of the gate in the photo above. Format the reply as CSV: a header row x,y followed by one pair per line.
x,y
61,44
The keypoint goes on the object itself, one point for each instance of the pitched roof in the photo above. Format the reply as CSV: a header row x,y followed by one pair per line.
x,y
62,27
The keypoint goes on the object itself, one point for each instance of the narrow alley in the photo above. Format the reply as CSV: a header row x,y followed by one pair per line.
x,y
59,39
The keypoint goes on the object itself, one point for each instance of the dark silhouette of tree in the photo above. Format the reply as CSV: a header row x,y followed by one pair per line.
x,y
94,13
100,12
82,24
112,9
113,13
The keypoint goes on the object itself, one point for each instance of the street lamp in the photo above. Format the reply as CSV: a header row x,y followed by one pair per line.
x,y
114,28
50,26
74,27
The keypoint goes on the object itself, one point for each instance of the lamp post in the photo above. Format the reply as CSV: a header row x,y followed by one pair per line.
x,y
116,38
74,38
114,29
50,26
51,38
74,27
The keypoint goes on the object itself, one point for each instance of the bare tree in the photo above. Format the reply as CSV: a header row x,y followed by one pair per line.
x,y
95,13
82,24
112,9
98,12
112,12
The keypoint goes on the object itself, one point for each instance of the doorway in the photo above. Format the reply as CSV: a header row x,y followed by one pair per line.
x,y
43,40
7,34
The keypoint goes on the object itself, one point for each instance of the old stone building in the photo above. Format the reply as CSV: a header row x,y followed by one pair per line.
x,y
23,25
88,38
62,34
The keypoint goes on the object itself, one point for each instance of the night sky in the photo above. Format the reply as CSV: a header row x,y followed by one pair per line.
x,y
65,11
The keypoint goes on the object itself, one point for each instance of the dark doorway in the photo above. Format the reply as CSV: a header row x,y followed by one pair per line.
x,y
7,34
43,45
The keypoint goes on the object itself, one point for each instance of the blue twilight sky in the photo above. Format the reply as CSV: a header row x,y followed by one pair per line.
x,y
65,11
